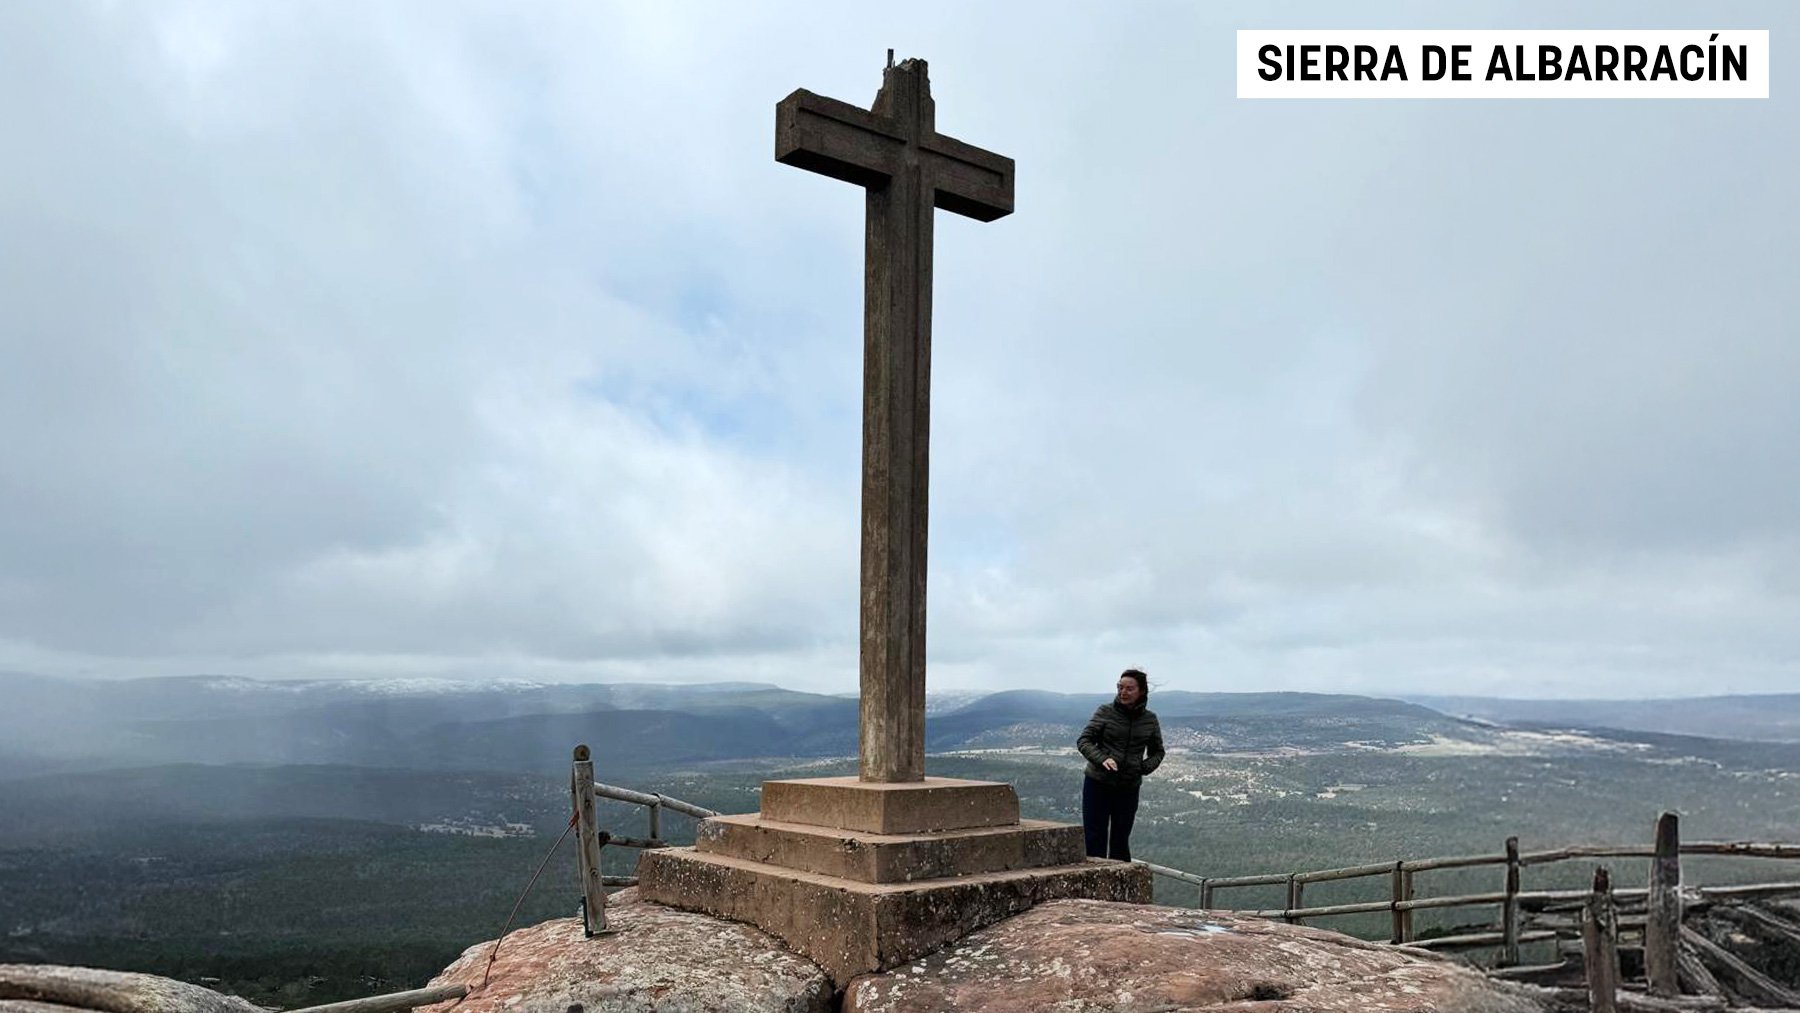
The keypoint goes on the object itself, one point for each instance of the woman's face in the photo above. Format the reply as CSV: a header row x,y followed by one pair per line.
x,y
1128,691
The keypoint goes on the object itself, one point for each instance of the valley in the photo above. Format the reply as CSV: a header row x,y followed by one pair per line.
x,y
369,866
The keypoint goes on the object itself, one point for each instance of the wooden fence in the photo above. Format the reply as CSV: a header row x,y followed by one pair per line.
x,y
1513,901
1525,916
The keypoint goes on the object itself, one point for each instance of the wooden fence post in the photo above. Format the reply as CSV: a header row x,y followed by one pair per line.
x,y
1600,945
1296,890
1509,911
1405,892
1662,933
1206,894
1398,935
587,839
655,821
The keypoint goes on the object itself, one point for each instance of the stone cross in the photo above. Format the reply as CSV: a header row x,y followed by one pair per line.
x,y
894,151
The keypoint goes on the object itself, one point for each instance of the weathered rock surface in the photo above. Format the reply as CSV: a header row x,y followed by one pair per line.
x,y
850,928
1081,956
654,959
34,988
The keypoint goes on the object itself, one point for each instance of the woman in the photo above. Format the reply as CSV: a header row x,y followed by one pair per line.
x,y
1122,743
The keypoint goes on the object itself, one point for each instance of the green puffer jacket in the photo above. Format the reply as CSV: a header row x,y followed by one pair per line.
x,y
1131,737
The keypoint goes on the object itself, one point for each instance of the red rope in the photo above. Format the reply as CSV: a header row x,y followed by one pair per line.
x,y
504,929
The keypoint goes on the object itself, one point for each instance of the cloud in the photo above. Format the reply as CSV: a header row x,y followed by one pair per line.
x,y
457,340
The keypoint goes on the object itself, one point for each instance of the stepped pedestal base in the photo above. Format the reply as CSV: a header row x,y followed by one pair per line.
x,y
862,877
849,927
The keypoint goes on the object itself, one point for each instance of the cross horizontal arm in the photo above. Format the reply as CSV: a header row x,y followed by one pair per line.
x,y
835,139
970,181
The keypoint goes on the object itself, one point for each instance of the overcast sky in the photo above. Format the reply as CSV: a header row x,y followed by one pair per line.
x,y
347,339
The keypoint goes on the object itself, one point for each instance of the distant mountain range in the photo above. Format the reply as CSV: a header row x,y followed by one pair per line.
x,y
515,726
1770,717
530,727
524,727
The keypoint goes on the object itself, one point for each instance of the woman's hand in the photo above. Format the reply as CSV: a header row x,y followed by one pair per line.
x,y
1110,764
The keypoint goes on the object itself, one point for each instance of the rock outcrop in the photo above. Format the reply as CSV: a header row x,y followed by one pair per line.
x,y
48,988
1079,956
653,959
1072,956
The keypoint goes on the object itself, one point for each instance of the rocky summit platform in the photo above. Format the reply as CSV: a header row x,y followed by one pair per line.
x,y
863,898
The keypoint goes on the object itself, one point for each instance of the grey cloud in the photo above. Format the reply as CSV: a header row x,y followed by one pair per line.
x,y
450,338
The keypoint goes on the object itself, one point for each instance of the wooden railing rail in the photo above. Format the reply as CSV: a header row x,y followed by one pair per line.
x,y
1734,849
393,1002
644,798
1175,874
1531,901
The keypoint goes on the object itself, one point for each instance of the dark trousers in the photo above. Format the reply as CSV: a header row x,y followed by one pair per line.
x,y
1107,811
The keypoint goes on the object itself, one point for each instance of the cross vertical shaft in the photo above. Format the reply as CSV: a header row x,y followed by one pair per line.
x,y
908,169
896,446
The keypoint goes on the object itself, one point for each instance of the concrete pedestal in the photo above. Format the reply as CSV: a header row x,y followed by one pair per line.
x,y
823,869
910,807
